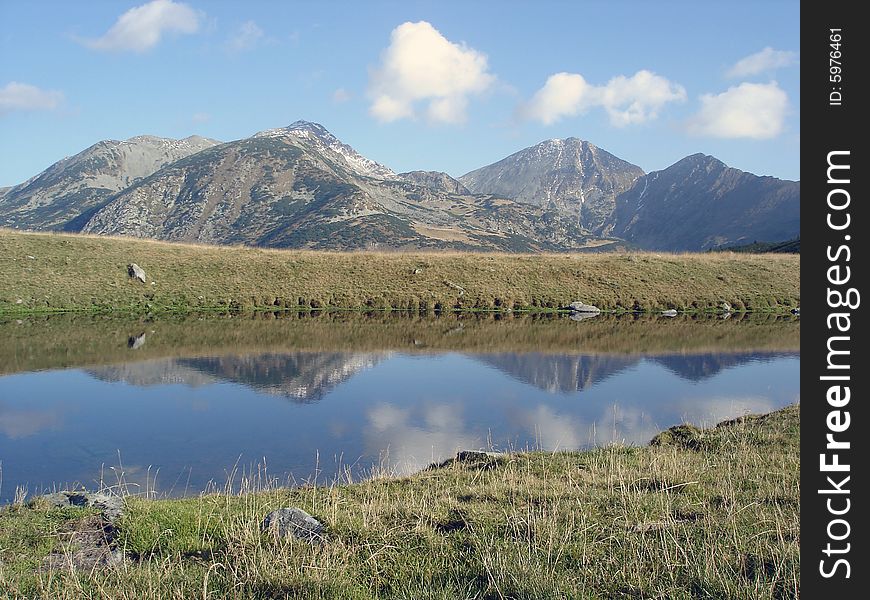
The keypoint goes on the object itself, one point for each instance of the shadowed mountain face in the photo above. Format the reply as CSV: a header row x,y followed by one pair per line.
x,y
700,203
572,176
65,194
698,367
300,376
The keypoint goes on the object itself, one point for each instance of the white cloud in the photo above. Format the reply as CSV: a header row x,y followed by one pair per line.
x,y
422,66
627,100
564,95
340,96
749,110
23,96
761,62
200,117
141,28
246,37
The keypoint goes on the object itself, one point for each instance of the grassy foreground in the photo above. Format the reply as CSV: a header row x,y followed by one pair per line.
x,y
703,514
45,272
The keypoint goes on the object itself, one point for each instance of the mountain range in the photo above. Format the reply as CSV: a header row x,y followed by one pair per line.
x,y
301,187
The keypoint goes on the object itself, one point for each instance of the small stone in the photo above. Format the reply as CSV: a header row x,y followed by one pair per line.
x,y
582,307
796,311
294,522
417,271
671,312
19,301
725,306
136,272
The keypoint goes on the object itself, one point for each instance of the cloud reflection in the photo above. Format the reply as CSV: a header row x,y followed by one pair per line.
x,y
16,423
410,439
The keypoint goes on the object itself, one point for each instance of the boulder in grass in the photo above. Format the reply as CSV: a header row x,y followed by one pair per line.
x,y
136,272
671,312
473,459
110,506
582,307
294,522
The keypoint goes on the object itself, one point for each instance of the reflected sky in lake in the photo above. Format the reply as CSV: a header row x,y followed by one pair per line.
x,y
190,420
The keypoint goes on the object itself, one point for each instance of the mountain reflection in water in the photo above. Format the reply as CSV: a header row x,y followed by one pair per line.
x,y
309,376
324,396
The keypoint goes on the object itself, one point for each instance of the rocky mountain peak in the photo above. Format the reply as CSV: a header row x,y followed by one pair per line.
x,y
569,175
309,126
700,160
315,134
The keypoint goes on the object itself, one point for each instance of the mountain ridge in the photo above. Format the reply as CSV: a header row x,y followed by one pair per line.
x,y
300,186
77,184
700,203
297,187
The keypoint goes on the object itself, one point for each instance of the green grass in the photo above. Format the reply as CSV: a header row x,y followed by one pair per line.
x,y
57,272
704,514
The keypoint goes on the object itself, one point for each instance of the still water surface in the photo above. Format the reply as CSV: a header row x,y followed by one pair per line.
x,y
395,397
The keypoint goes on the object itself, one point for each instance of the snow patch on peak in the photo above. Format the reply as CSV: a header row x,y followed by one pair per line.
x,y
323,140
148,139
193,141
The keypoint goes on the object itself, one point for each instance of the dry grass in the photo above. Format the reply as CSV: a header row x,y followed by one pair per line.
x,y
714,514
75,272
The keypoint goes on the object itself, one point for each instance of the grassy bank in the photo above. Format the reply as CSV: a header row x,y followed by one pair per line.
x,y
73,272
707,514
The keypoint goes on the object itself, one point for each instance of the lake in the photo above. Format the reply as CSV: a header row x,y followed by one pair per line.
x,y
179,405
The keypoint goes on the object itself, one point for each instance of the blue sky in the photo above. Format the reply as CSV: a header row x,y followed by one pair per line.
x,y
447,86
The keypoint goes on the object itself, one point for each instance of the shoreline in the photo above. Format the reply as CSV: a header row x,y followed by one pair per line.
x,y
713,511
